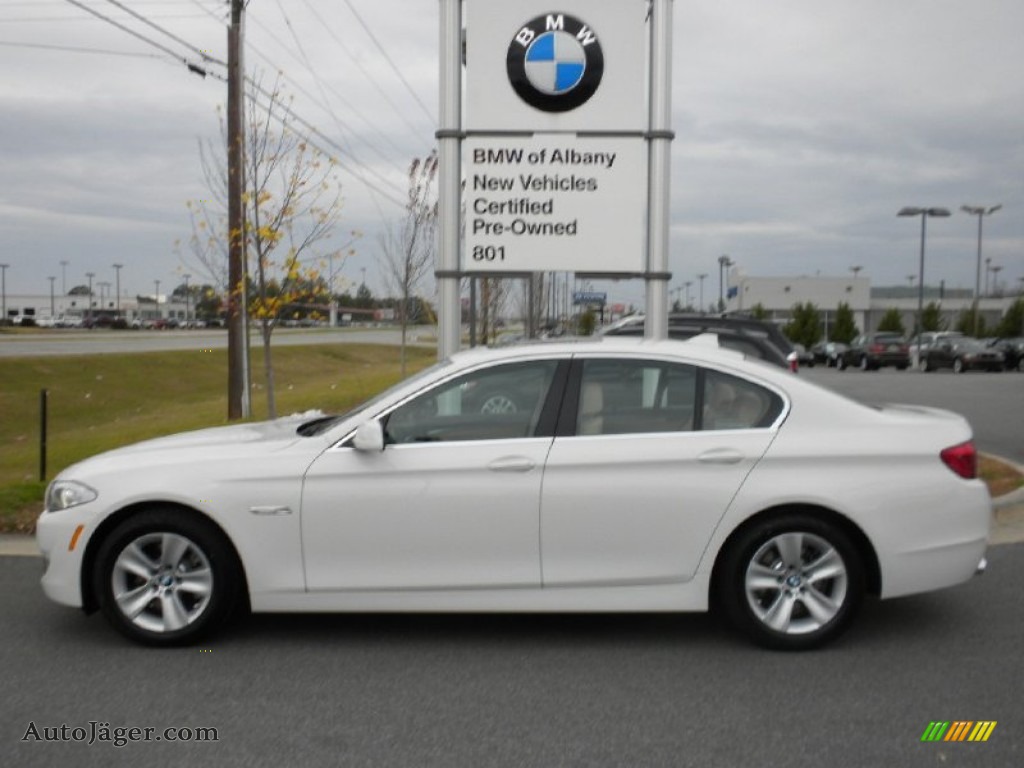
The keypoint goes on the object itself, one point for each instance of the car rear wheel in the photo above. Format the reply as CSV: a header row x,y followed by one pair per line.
x,y
865,364
791,583
958,366
166,577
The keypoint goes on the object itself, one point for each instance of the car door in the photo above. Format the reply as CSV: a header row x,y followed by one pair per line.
x,y
647,458
452,501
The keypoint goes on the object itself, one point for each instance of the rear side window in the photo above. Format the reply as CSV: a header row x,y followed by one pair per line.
x,y
646,396
734,403
633,396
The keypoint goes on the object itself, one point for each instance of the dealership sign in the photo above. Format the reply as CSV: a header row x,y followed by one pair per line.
x,y
554,203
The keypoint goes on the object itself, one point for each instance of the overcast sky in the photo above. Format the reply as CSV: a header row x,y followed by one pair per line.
x,y
802,127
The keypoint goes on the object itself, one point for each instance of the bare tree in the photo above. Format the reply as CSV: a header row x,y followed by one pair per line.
x,y
407,246
292,208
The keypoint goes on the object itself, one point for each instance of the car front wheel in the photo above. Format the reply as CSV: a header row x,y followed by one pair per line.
x,y
166,577
791,583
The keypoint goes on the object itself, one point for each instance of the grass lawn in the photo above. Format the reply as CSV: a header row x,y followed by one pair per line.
x,y
100,402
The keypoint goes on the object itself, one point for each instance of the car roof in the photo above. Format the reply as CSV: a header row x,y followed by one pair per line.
x,y
700,349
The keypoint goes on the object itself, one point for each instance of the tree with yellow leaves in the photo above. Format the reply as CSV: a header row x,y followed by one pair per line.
x,y
293,208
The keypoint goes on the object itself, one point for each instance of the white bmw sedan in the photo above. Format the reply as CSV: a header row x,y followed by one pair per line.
x,y
616,475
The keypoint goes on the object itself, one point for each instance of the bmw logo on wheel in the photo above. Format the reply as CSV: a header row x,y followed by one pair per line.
x,y
555,62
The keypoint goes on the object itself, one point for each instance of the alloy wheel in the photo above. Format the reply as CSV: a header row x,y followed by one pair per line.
x,y
161,582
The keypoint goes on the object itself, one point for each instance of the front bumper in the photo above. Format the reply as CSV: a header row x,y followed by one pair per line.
x,y
63,551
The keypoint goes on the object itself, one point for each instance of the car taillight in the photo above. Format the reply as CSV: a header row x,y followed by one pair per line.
x,y
962,459
877,349
794,361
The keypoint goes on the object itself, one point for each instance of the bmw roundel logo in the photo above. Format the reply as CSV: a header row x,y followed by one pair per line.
x,y
555,62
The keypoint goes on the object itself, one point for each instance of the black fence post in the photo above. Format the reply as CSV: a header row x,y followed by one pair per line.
x,y
43,398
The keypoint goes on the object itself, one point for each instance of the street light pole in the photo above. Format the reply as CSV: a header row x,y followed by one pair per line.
x,y
186,298
701,278
723,262
117,269
981,212
51,279
995,279
924,213
88,312
64,278
3,291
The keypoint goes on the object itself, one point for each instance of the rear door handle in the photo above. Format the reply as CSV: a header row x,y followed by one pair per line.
x,y
511,464
721,456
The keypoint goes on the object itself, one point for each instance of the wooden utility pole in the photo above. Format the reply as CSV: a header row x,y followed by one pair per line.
x,y
238,394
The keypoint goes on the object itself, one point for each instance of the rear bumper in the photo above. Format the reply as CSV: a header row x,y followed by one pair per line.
x,y
936,568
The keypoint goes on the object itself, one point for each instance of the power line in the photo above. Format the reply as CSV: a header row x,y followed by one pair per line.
x,y
343,127
257,88
351,107
195,68
175,38
388,59
370,77
75,49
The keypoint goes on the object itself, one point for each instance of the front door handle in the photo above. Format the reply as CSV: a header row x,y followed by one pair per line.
x,y
511,464
721,456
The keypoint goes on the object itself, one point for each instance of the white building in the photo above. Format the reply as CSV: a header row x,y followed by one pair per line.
x,y
778,295
43,309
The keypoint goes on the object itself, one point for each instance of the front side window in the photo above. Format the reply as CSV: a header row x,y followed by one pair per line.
x,y
499,402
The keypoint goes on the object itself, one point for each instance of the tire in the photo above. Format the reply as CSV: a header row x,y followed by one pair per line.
x,y
925,365
791,583
166,577
958,366
865,364
841,363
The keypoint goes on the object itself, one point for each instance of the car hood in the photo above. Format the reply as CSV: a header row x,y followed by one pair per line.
x,y
201,446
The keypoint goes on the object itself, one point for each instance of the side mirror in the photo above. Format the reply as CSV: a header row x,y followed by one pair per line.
x,y
369,437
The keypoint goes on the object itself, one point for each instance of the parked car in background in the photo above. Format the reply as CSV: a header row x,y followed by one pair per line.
x,y
755,338
630,476
871,351
1013,353
962,354
922,342
828,352
803,355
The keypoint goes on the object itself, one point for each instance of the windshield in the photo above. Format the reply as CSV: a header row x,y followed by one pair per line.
x,y
322,424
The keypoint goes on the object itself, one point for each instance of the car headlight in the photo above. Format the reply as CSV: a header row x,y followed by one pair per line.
x,y
63,494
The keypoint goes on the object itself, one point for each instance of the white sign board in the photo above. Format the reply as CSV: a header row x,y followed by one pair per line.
x,y
554,203
556,65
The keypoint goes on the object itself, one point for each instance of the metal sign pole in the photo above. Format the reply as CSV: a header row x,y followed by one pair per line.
x,y
449,137
659,139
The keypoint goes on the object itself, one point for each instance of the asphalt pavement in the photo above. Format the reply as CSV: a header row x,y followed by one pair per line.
x,y
520,690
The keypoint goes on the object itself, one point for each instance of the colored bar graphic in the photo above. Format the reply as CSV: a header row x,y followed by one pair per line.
x,y
982,730
959,730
